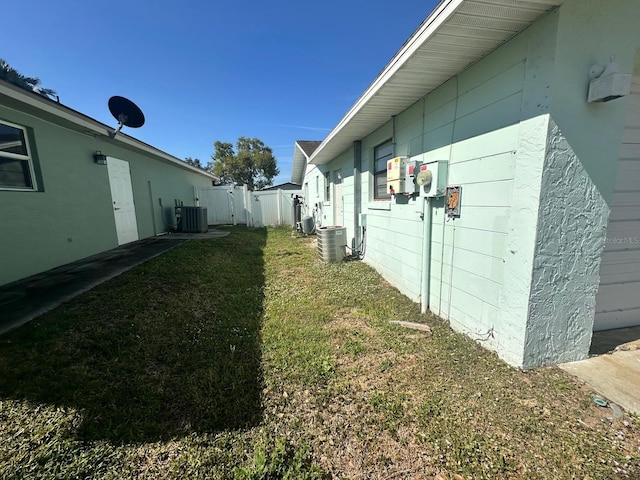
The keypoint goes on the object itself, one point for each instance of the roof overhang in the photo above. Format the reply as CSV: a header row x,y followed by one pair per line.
x,y
301,154
299,164
455,35
46,109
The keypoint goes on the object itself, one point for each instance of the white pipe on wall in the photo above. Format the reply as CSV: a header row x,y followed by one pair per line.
x,y
426,256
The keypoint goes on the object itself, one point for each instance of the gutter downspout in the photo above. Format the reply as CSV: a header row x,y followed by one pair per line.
x,y
393,135
425,280
357,191
153,212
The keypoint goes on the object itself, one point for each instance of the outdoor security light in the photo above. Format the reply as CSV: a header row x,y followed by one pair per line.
x,y
99,158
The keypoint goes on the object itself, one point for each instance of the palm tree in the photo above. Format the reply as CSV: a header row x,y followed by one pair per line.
x,y
11,75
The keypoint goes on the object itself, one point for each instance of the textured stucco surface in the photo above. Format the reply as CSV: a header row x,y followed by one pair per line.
x,y
521,240
518,272
572,226
592,31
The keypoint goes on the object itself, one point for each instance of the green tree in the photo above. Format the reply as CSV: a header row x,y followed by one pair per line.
x,y
251,163
33,84
194,162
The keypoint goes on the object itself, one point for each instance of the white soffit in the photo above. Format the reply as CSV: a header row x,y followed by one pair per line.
x,y
455,35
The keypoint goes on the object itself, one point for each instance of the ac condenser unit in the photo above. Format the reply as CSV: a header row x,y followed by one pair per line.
x,y
331,244
193,220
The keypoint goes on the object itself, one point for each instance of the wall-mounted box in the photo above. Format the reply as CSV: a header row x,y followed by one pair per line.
x,y
452,201
396,171
396,168
395,187
609,87
432,178
411,171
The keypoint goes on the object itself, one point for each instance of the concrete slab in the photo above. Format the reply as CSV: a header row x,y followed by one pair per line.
x,y
22,301
615,376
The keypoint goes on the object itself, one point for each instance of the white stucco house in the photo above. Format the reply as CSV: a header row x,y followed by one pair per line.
x,y
533,109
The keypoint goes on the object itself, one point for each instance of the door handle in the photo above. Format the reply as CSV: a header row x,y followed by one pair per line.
x,y
116,208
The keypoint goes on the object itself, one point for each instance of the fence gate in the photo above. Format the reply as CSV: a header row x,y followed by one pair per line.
x,y
236,205
272,207
225,205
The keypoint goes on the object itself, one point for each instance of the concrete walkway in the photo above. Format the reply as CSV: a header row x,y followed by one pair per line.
x,y
614,375
24,300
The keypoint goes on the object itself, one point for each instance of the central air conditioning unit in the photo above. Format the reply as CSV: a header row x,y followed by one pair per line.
x,y
332,244
193,220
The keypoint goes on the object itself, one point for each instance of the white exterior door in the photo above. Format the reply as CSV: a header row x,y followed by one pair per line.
x,y
618,298
338,205
124,210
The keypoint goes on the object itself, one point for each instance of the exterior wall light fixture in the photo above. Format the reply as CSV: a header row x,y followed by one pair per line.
x,y
99,158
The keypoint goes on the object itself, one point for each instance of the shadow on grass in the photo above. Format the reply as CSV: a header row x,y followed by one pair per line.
x,y
167,349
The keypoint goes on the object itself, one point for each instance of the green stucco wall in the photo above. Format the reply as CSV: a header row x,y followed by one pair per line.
x,y
72,216
474,121
518,271
590,32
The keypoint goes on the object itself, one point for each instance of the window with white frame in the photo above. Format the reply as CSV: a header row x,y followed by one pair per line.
x,y
327,187
381,154
16,164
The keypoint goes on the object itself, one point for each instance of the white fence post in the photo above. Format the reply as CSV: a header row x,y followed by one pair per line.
x,y
248,206
279,198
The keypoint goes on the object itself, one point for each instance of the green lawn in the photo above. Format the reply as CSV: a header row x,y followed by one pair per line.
x,y
245,357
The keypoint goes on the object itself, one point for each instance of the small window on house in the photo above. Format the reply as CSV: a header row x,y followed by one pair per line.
x,y
381,154
327,187
16,166
317,186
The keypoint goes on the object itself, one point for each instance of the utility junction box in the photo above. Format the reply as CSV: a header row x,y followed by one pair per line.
x,y
396,171
411,172
432,178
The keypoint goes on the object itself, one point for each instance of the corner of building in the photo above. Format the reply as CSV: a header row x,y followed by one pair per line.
x,y
572,227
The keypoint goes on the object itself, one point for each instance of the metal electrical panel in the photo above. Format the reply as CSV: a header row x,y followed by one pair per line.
x,y
411,172
396,175
432,178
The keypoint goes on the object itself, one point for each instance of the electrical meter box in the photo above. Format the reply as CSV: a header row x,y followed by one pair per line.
x,y
432,178
412,168
396,171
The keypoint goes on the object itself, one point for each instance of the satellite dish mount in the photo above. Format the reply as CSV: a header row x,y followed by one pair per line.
x,y
126,113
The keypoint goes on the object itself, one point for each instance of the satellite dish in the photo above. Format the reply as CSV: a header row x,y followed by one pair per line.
x,y
126,112
424,177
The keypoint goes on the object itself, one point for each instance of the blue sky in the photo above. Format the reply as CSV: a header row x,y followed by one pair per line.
x,y
203,71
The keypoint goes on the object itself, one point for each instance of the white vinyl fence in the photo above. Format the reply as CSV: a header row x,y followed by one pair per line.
x,y
228,205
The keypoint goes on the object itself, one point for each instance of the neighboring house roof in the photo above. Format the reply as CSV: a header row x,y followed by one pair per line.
x,y
42,107
302,151
283,186
455,35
